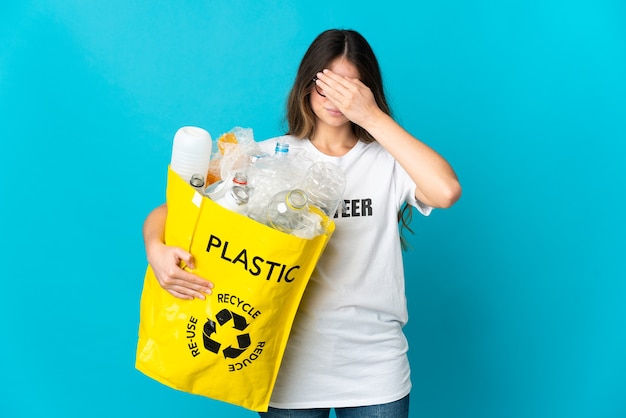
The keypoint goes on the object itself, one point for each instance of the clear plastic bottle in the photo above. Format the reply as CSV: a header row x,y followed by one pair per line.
x,y
268,175
281,150
324,184
286,210
240,179
235,199
236,196
220,188
197,182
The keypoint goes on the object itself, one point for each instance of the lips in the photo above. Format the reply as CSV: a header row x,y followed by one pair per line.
x,y
334,112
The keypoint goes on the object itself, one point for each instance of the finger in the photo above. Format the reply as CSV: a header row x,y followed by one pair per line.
x,y
185,257
339,81
188,290
186,293
178,294
331,76
195,290
186,273
331,91
178,277
197,283
329,82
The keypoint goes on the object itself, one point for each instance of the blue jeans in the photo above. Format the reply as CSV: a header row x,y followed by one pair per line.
x,y
397,409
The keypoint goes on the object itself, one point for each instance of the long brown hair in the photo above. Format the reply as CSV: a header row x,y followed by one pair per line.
x,y
328,46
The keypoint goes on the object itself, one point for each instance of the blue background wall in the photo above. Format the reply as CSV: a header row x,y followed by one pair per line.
x,y
516,294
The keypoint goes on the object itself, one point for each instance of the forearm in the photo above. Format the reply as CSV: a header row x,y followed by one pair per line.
x,y
154,227
166,260
437,183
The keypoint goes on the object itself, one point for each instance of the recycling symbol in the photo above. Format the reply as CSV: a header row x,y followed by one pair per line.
x,y
239,323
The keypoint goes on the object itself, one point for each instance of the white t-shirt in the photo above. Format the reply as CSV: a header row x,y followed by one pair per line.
x,y
346,347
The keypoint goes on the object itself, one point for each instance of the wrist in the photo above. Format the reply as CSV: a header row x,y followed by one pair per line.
x,y
376,122
152,247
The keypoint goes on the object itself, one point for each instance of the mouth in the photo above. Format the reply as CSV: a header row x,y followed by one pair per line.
x,y
334,112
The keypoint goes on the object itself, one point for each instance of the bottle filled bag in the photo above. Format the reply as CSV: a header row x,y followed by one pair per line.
x,y
228,347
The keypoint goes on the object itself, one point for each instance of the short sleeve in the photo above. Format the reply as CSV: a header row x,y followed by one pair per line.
x,y
406,189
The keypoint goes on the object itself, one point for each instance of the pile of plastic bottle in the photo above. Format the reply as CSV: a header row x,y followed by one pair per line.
x,y
277,190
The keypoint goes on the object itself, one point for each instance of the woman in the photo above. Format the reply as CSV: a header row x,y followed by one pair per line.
x,y
346,350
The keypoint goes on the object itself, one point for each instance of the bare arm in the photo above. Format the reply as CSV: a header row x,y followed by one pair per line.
x,y
437,184
166,260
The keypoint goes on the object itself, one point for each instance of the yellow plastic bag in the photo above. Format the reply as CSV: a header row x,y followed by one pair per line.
x,y
228,347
